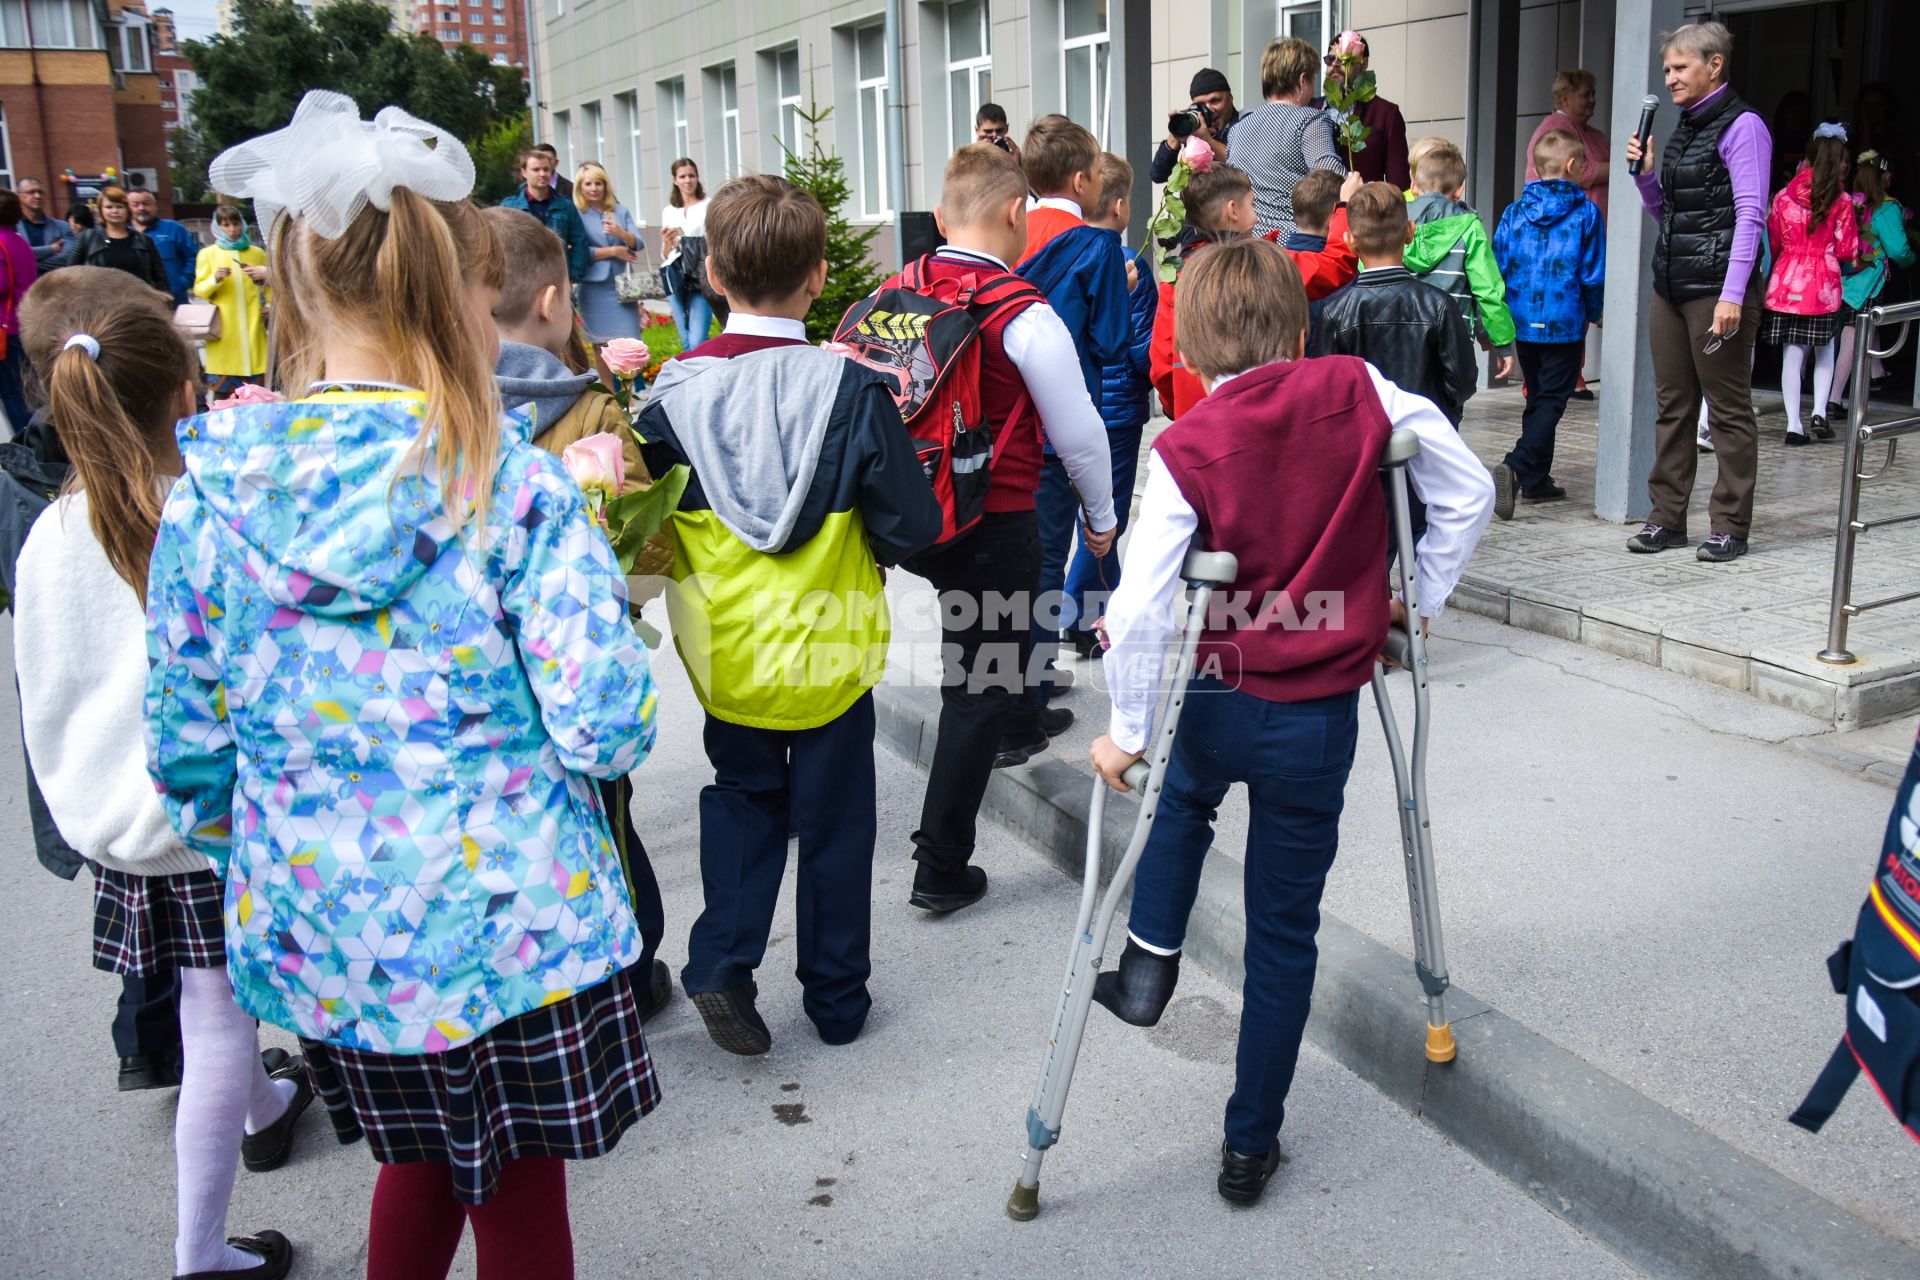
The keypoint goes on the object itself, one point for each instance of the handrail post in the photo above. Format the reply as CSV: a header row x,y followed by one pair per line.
x,y
1845,536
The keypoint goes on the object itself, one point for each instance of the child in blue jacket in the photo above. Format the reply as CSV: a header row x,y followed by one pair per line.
x,y
1124,404
1551,247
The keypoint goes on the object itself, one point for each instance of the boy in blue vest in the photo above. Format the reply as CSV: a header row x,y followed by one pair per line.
x,y
1278,465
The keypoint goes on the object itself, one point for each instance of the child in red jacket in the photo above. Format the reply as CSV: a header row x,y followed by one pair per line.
x,y
1813,233
1219,207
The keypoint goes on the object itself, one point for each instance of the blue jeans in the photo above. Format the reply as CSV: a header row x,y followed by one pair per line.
x,y
13,396
1056,513
693,316
1294,758
1090,578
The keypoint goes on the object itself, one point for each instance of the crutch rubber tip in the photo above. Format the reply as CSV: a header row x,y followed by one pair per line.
x,y
1440,1045
1024,1204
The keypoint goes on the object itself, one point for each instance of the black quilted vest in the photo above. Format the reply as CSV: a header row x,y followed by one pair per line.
x,y
1696,221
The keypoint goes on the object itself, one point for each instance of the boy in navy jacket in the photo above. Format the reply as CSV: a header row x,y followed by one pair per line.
x,y
1081,270
1124,403
1551,246
1277,465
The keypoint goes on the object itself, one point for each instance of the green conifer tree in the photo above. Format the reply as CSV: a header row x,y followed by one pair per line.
x,y
852,273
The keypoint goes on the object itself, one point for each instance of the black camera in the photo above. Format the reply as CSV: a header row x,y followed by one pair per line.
x,y
1003,142
1188,121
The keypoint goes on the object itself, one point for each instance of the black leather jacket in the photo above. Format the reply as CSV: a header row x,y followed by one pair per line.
x,y
90,250
1407,329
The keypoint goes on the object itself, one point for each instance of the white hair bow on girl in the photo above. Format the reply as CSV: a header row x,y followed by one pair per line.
x,y
328,164
1831,129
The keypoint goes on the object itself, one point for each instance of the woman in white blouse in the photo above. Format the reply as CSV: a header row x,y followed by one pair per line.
x,y
683,238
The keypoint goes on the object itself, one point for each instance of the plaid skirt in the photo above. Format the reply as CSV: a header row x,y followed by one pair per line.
x,y
566,1080
148,924
1778,329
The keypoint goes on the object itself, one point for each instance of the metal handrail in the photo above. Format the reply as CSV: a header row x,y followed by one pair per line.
x,y
1841,607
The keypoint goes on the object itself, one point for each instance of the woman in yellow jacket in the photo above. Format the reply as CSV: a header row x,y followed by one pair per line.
x,y
231,273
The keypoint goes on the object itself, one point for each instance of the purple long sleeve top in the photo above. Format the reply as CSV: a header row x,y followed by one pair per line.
x,y
1746,148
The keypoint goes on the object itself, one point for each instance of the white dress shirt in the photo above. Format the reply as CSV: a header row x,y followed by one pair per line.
x,y
1042,350
752,326
1141,618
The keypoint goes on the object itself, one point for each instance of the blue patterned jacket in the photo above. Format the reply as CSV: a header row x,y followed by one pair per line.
x,y
1551,247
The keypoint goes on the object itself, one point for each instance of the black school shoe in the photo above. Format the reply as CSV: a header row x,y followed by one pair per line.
x,y
1137,992
149,1071
275,1254
1821,431
1548,492
1506,487
732,1021
659,990
1653,537
1795,440
942,892
1243,1178
268,1149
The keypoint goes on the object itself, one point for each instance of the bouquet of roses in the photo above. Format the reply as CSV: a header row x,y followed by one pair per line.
x,y
1347,91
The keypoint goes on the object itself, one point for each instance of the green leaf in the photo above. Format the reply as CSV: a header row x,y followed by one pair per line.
x,y
1177,180
1176,210
634,517
1169,271
1363,86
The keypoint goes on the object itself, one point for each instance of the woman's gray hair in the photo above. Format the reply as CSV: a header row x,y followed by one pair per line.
x,y
1703,40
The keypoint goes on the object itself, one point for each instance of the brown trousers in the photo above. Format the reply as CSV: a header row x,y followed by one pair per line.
x,y
1682,373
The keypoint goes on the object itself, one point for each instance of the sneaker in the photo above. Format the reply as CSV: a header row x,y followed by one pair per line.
x,y
1548,492
1243,1178
1821,431
1506,487
1653,537
732,1021
268,1149
1703,444
1795,439
1721,546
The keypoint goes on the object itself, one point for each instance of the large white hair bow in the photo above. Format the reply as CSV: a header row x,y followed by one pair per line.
x,y
328,164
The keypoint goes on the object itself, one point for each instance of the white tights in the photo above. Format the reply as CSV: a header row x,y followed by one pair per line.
x,y
224,1091
1793,361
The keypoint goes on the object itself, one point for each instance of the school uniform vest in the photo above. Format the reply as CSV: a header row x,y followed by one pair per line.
x,y
1003,392
1281,465
1697,215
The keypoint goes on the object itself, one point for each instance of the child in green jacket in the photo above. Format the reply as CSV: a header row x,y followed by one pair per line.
x,y
1451,251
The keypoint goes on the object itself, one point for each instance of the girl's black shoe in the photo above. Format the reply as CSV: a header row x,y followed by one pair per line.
x,y
275,1254
1821,431
1138,991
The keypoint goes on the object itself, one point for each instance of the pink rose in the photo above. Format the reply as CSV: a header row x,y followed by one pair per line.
x,y
1196,154
248,393
626,356
597,464
1349,45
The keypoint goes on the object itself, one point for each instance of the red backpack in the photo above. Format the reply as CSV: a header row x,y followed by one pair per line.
x,y
924,336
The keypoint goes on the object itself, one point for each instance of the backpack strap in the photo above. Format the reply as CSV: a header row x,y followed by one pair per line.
x,y
1835,1079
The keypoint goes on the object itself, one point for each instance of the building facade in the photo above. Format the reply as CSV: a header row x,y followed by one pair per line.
x,y
178,80
79,97
497,28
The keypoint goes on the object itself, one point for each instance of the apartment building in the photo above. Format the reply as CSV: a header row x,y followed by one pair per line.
x,y
496,28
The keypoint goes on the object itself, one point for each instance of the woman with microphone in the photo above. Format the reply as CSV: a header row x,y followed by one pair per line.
x,y
1710,198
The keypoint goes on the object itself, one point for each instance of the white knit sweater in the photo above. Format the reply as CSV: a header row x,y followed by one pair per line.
x,y
80,650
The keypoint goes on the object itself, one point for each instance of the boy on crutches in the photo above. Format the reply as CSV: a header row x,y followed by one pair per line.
x,y
1278,465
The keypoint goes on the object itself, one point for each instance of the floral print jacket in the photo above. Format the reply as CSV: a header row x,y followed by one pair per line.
x,y
1807,258
382,732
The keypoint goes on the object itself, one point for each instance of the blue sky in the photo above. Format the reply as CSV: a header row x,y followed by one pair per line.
x,y
192,18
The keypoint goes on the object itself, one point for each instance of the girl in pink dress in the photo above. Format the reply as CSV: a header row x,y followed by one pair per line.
x,y
1813,233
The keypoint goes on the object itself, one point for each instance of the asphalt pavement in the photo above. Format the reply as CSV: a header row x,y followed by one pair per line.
x,y
890,1157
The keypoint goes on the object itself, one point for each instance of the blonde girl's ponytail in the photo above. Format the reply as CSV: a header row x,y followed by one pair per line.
x,y
114,411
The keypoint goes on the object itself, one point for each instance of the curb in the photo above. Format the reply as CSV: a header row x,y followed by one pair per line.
x,y
1660,1192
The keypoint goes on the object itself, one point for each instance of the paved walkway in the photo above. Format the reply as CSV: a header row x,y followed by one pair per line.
x,y
1753,625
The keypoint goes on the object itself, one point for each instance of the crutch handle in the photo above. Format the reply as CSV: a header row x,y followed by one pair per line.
x,y
1398,648
1216,567
1136,775
1402,446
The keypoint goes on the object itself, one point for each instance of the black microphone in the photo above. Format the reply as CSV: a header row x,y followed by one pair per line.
x,y
1648,105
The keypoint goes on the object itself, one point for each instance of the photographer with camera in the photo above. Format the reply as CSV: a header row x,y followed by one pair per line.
x,y
1210,116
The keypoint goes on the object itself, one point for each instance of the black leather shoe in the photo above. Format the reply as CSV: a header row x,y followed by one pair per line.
x,y
149,1071
268,1149
659,990
1821,431
1243,1178
273,1250
1013,753
1085,643
1796,440
1055,721
1548,492
942,892
732,1021
1138,990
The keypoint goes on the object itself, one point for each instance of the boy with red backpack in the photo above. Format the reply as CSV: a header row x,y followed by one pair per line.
x,y
802,479
1027,381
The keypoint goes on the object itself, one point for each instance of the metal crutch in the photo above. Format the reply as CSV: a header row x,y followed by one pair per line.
x,y
1409,649
1203,571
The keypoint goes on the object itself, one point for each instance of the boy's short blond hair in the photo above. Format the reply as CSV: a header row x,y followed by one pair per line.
x,y
765,236
1551,153
1238,306
1208,192
1055,149
1116,183
1441,169
534,256
1377,217
980,178
1315,197
1420,146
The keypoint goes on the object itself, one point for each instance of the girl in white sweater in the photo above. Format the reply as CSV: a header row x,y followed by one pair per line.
x,y
118,375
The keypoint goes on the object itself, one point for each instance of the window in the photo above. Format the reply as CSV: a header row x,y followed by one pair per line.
x,y
787,85
969,66
499,37
63,24
626,129
676,95
477,37
127,47
563,140
500,20
730,120
593,142
1304,21
449,15
6,153
1083,63
870,86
